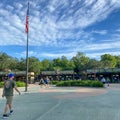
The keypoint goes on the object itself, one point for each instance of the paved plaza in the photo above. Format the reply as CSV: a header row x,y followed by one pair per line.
x,y
65,103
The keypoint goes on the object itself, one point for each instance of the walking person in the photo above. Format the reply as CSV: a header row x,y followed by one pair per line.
x,y
108,81
41,82
47,81
9,85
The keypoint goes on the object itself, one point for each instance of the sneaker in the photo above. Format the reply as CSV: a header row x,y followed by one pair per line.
x,y
5,115
11,112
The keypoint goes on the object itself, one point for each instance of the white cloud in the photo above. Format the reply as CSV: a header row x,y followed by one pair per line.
x,y
58,23
19,6
9,7
118,30
51,24
4,12
102,32
97,55
69,55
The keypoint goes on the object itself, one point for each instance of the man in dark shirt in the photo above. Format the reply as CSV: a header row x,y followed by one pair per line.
x,y
9,85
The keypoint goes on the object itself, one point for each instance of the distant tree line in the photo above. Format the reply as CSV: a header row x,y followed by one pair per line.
x,y
78,63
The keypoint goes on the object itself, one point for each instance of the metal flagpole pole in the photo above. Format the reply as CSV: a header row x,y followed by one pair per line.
x,y
26,65
27,62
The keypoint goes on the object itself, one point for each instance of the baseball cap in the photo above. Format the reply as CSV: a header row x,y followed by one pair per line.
x,y
11,75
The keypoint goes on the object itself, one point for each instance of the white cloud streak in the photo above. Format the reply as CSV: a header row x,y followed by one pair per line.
x,y
55,23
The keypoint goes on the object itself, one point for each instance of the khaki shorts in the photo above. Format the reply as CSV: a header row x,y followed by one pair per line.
x,y
9,99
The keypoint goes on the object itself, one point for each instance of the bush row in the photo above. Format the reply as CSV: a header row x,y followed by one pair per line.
x,y
18,84
54,82
83,83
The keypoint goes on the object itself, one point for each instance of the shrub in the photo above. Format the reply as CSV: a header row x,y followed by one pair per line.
x,y
96,84
1,84
18,84
53,82
61,83
84,83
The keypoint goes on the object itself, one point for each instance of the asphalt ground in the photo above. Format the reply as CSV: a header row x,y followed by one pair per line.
x,y
65,103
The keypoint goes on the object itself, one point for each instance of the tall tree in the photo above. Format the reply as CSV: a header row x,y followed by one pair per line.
x,y
117,61
34,65
71,65
46,64
93,64
64,63
108,61
57,64
21,66
7,62
80,62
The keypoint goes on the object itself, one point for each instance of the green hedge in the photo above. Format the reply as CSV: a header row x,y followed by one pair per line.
x,y
1,84
84,83
18,84
53,82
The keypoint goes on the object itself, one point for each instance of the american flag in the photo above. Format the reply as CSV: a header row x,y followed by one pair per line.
x,y
27,20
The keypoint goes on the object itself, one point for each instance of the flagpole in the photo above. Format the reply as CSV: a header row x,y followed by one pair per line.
x,y
26,65
27,62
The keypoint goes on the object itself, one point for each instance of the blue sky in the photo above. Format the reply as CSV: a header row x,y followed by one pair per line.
x,y
60,27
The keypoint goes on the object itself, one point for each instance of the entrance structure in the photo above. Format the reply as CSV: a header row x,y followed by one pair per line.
x,y
113,74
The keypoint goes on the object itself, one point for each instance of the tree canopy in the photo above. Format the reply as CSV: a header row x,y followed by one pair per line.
x,y
78,63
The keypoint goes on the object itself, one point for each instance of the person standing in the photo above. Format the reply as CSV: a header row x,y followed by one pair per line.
x,y
9,86
103,80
